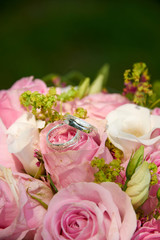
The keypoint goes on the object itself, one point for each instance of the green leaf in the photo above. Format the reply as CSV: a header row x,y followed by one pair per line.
x,y
52,79
158,194
100,81
156,88
73,78
134,162
40,171
38,200
83,88
54,189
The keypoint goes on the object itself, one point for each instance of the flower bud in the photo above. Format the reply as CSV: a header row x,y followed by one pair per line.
x,y
83,88
23,138
134,162
138,186
100,80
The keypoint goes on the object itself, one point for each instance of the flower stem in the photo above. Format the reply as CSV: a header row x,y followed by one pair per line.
x,y
125,185
39,172
39,200
54,189
60,107
155,103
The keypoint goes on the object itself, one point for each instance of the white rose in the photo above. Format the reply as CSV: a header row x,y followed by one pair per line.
x,y
23,139
130,126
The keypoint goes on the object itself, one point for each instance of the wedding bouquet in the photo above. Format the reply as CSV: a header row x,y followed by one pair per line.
x,y
78,162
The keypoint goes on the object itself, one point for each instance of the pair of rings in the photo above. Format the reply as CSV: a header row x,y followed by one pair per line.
x,y
75,123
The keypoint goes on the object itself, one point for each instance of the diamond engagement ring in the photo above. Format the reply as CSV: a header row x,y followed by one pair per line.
x,y
74,126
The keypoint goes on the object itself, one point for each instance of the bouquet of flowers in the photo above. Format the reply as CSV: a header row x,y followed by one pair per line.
x,y
78,162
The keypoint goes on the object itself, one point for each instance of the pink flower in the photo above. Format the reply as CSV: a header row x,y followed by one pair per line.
x,y
156,111
10,107
19,213
72,164
149,231
100,104
90,211
152,155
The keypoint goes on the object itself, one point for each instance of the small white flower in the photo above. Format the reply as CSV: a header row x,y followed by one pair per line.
x,y
23,138
129,126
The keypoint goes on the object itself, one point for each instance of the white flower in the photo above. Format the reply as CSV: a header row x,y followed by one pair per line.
x,y
6,175
23,138
138,186
129,126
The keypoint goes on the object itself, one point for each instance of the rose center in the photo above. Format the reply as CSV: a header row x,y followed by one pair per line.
x,y
134,131
62,134
133,126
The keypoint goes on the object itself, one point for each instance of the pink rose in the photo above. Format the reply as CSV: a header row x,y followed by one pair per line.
x,y
72,164
6,158
149,231
20,214
156,111
152,155
10,107
90,211
100,104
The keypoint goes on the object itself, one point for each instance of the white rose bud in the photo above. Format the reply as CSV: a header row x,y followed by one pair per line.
x,y
138,186
23,138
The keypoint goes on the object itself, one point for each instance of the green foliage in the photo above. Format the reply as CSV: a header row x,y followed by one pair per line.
x,y
80,113
52,79
83,88
53,187
43,204
134,162
158,194
101,80
115,152
137,86
42,106
156,88
70,95
71,78
106,172
153,170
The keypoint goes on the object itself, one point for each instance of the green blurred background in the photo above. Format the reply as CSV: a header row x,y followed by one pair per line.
x,y
41,37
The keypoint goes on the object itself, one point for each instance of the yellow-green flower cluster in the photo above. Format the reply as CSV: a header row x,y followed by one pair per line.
x,y
80,113
115,152
153,170
43,106
106,172
137,86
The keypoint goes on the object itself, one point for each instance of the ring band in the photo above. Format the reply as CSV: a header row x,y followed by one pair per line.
x,y
63,145
75,123
79,124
